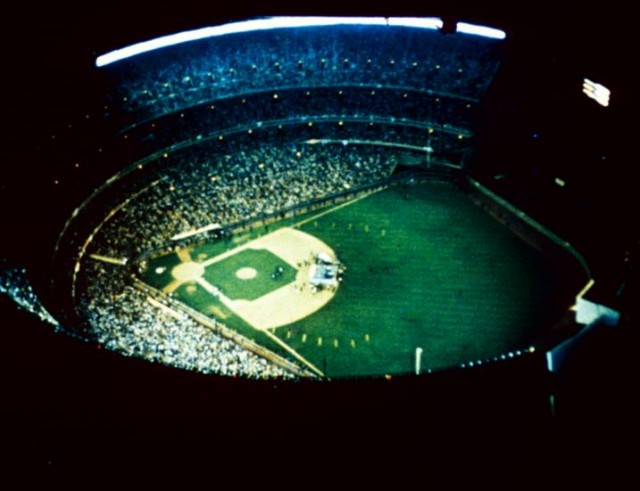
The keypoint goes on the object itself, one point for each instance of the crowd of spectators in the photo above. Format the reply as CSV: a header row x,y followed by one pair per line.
x,y
382,115
413,59
200,185
379,106
123,320
15,284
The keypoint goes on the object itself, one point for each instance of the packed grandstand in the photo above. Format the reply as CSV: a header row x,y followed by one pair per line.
x,y
209,135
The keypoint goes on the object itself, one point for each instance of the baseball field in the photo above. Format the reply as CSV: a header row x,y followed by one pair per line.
x,y
423,268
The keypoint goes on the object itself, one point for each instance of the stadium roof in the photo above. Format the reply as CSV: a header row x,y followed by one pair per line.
x,y
431,23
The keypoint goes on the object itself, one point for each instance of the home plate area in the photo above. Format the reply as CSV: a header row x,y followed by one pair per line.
x,y
271,281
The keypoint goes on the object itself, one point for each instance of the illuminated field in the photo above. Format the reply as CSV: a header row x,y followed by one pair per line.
x,y
425,268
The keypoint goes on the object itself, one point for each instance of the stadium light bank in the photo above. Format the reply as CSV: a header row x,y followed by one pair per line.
x,y
286,23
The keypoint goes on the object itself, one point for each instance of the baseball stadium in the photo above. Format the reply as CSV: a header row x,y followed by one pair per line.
x,y
304,200
292,201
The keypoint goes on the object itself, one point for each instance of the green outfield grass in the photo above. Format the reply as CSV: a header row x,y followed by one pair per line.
x,y
425,268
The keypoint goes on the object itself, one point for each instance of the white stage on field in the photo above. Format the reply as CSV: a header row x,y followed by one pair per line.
x,y
324,272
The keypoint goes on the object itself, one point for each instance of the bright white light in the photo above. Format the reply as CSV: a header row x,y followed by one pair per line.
x,y
418,360
595,91
259,25
588,312
550,361
422,23
488,32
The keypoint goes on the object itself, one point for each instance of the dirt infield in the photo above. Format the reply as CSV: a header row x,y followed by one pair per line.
x,y
279,307
291,302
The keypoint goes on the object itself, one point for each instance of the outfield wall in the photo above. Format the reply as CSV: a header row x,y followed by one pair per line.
x,y
560,252
532,232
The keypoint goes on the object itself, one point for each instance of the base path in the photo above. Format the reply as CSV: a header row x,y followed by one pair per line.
x,y
291,302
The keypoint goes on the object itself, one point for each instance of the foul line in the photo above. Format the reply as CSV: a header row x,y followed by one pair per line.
x,y
216,293
164,308
293,352
173,286
224,255
586,288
